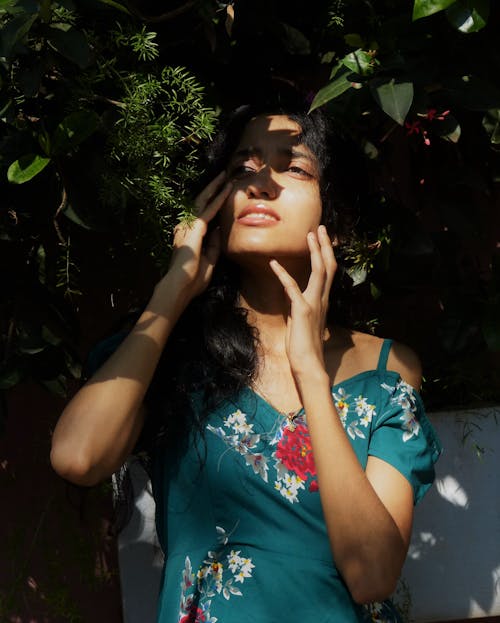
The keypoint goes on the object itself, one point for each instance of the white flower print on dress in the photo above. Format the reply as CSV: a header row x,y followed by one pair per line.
x,y
403,395
209,581
240,567
238,422
380,612
245,443
258,463
340,399
288,484
365,412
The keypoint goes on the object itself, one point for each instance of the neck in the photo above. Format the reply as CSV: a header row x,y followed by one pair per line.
x,y
265,299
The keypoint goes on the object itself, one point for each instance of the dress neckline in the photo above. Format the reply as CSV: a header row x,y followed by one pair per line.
x,y
333,387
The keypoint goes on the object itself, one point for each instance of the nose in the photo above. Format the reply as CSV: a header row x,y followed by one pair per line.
x,y
262,184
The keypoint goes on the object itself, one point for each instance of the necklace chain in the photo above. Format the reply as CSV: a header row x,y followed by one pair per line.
x,y
290,416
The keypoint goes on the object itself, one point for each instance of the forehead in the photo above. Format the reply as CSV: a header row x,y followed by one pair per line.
x,y
268,131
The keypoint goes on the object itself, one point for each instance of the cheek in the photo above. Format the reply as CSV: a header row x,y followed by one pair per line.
x,y
312,209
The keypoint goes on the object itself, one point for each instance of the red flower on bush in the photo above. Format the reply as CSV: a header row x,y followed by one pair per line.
x,y
294,450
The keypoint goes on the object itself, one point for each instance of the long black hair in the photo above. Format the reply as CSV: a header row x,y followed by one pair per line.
x,y
212,352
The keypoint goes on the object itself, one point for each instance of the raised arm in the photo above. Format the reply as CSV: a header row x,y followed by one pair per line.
x,y
100,425
368,514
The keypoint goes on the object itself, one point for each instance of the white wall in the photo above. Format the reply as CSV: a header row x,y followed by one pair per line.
x,y
453,566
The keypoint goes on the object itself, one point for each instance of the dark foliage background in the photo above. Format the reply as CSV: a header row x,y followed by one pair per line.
x,y
104,105
104,108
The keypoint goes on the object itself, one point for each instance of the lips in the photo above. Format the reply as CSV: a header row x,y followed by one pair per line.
x,y
257,214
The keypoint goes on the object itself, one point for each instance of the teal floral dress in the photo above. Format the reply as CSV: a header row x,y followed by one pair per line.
x,y
239,515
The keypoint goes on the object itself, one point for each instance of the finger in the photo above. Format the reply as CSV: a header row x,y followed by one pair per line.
x,y
181,231
208,192
212,250
316,281
216,203
328,257
287,281
212,253
326,246
197,228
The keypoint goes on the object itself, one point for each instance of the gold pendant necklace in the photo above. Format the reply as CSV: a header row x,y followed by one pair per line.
x,y
290,419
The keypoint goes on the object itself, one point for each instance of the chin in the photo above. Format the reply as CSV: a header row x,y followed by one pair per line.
x,y
264,241
259,253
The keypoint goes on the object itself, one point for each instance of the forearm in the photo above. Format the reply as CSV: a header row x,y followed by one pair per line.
x,y
100,425
367,546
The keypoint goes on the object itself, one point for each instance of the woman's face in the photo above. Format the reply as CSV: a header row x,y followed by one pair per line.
x,y
275,200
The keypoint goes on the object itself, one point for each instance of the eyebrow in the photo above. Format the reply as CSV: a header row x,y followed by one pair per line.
x,y
286,151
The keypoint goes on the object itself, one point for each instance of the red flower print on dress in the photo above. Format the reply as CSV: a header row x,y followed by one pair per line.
x,y
313,487
294,450
195,615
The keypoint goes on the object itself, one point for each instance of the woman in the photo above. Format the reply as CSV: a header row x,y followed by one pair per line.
x,y
290,451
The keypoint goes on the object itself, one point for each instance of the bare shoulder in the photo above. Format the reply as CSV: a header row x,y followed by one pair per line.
x,y
351,352
405,361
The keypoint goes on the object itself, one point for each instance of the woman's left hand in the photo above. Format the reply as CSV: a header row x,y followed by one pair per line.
x,y
307,317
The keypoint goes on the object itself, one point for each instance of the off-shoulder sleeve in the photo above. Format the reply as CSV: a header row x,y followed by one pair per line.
x,y
403,436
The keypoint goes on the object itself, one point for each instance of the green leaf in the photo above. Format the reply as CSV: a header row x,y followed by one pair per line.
x,y
57,385
469,15
294,41
72,44
335,69
453,135
358,274
370,150
40,257
491,123
18,6
423,8
26,167
73,130
13,32
115,5
9,378
354,40
31,345
395,98
328,57
374,291
331,91
359,62
70,214
447,128
49,337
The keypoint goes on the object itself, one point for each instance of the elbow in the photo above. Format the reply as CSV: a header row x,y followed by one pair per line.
x,y
73,467
367,589
368,594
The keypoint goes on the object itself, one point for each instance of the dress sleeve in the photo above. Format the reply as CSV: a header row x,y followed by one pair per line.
x,y
101,352
403,436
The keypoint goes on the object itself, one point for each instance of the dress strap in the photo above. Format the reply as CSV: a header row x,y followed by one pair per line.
x,y
384,355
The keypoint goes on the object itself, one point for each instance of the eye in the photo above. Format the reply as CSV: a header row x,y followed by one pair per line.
x,y
241,171
298,170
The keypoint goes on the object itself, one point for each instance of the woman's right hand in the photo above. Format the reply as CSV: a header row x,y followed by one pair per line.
x,y
194,253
